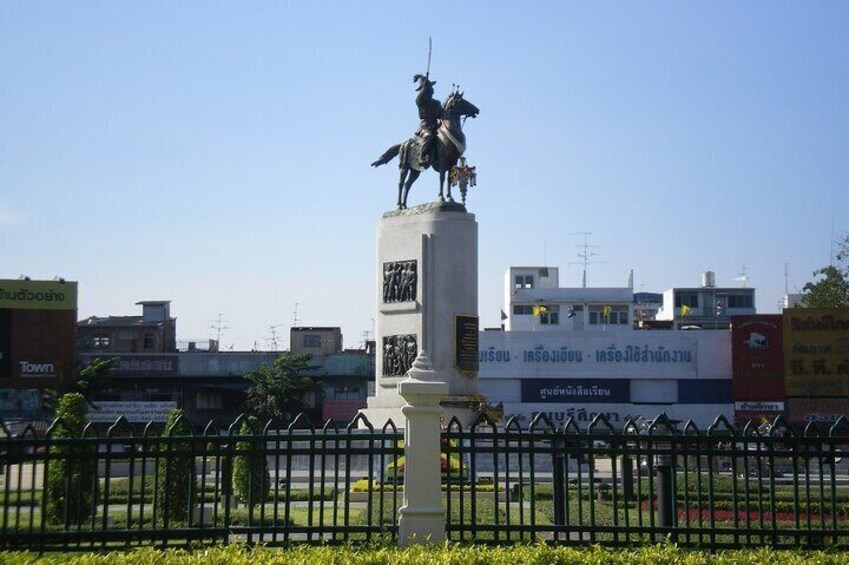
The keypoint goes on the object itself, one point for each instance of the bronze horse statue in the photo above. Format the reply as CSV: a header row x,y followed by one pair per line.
x,y
449,145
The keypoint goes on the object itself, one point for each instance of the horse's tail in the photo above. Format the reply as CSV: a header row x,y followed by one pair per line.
x,y
390,154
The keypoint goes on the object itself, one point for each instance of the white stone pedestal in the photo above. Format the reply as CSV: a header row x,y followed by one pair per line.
x,y
440,243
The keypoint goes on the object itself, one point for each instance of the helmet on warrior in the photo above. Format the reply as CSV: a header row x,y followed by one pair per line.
x,y
424,82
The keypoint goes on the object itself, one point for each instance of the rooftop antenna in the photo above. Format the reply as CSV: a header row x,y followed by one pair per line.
x,y
585,255
219,326
786,277
295,315
273,339
742,277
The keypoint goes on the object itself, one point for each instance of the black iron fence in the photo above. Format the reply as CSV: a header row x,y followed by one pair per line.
x,y
646,482
649,481
171,487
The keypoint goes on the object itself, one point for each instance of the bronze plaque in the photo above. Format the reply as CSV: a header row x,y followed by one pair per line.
x,y
466,344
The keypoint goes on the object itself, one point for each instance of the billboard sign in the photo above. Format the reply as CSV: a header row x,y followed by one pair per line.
x,y
816,352
37,332
38,295
583,355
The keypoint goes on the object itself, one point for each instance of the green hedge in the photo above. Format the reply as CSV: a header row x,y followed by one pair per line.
x,y
251,477
445,555
71,476
176,494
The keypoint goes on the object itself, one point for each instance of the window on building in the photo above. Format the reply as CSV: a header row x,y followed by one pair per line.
x,y
101,342
616,315
689,299
522,310
148,340
524,281
312,340
208,400
551,316
346,393
740,301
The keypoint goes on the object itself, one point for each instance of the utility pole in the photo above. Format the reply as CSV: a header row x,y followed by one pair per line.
x,y
585,255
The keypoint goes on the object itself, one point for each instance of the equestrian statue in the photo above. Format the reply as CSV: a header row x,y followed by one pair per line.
x,y
438,142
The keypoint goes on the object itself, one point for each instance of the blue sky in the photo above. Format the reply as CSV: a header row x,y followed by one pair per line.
x,y
216,153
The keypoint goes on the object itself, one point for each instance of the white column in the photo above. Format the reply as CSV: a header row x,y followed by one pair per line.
x,y
422,517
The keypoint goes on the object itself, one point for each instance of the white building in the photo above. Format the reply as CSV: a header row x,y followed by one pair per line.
x,y
534,301
706,306
575,352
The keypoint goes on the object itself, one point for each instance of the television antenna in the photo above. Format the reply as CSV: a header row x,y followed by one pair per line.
x,y
585,255
273,339
742,277
295,315
219,325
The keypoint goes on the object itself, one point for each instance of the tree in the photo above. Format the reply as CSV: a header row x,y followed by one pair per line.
x,y
88,382
251,478
832,289
277,391
72,470
176,493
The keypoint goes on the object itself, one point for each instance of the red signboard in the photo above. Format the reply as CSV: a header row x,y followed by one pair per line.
x,y
757,357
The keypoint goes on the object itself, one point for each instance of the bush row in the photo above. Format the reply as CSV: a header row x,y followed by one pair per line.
x,y
422,555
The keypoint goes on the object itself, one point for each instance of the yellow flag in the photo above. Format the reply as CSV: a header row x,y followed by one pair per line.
x,y
685,310
607,310
537,310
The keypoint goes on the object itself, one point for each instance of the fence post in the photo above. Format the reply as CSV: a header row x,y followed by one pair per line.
x,y
422,517
627,477
559,478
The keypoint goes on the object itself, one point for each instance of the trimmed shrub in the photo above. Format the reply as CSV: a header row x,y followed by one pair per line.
x,y
72,476
251,479
176,494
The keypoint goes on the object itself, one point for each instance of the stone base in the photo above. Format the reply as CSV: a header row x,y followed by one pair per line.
x,y
421,526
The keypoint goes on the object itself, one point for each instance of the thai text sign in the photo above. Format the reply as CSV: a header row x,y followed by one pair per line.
x,y
38,295
820,410
650,355
579,391
151,365
107,412
816,351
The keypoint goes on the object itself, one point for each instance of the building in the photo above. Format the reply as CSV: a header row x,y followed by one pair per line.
x,y
37,342
574,352
155,331
535,301
706,306
315,340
